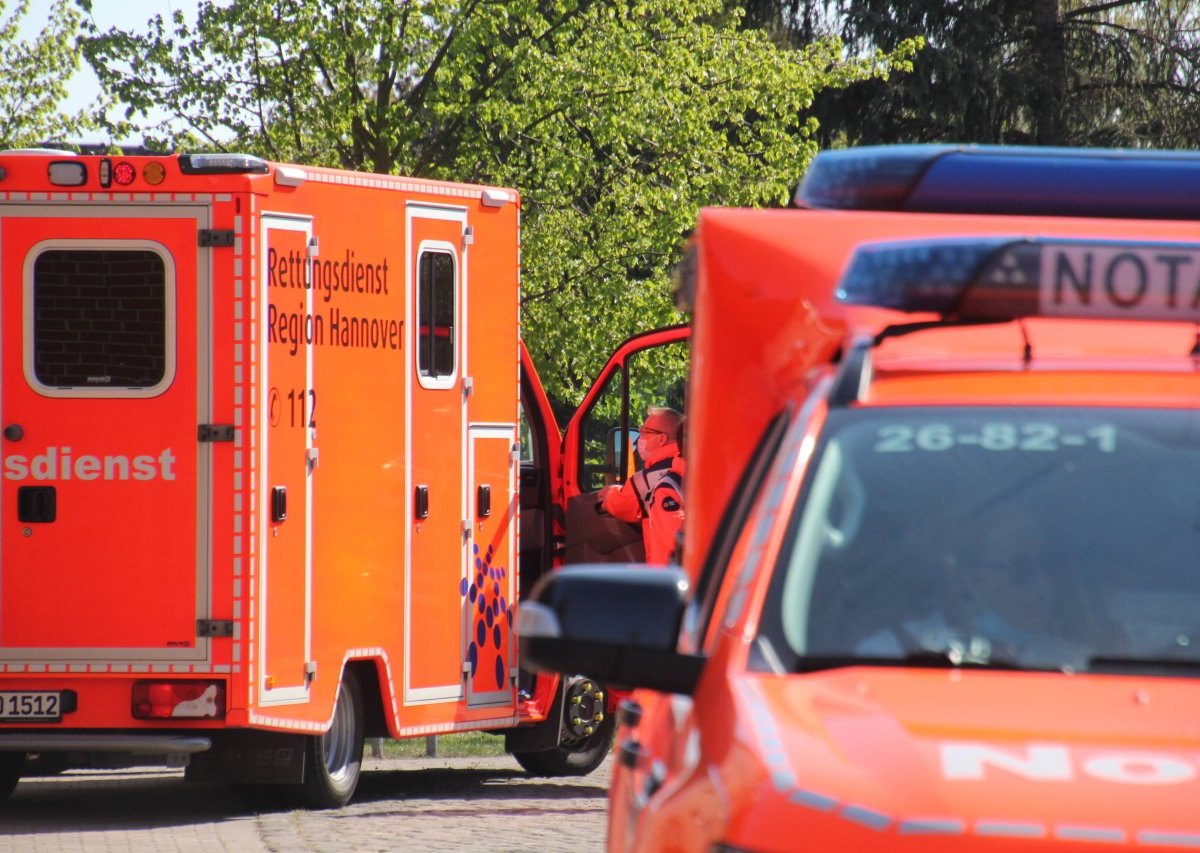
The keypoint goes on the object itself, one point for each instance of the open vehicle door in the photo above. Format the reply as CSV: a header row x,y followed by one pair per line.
x,y
559,478
649,369
560,475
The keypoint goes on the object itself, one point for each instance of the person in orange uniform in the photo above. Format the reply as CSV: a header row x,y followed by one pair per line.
x,y
654,495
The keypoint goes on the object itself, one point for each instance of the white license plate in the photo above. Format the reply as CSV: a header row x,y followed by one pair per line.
x,y
38,706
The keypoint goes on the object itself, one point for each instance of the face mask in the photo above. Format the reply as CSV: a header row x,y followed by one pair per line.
x,y
641,447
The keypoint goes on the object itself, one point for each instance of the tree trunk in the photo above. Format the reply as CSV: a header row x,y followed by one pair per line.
x,y
1047,98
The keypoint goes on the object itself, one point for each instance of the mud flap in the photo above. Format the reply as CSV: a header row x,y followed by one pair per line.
x,y
250,757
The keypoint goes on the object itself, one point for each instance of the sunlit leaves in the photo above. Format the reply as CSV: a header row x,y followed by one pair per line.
x,y
616,120
33,85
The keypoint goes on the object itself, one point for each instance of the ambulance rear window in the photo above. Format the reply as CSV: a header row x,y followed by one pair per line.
x,y
435,314
99,318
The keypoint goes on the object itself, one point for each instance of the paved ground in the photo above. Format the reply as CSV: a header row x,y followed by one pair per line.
x,y
427,805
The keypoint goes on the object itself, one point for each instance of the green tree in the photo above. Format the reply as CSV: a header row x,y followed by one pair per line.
x,y
34,83
1049,72
616,119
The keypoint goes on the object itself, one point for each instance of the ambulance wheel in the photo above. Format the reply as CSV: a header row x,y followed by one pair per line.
x,y
12,764
333,761
585,738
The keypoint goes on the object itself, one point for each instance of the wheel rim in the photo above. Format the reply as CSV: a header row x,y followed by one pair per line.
x,y
584,711
338,742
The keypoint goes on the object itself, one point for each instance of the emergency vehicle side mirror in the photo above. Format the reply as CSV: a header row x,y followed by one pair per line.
x,y
617,623
619,440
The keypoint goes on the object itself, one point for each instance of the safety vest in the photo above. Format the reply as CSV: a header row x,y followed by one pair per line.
x,y
648,480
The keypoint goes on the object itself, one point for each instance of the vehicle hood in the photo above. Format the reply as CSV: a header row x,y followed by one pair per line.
x,y
1070,758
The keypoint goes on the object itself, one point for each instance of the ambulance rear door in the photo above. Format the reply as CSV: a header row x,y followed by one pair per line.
x,y
103,348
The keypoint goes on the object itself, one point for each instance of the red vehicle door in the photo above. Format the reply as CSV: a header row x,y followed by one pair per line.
x,y
598,449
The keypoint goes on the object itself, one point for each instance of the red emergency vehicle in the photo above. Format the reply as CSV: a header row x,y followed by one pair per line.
x,y
939,589
267,440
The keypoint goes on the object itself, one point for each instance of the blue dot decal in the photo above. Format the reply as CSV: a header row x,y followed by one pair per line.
x,y
485,599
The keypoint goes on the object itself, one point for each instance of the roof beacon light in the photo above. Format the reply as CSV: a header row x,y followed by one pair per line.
x,y
222,164
1006,179
998,279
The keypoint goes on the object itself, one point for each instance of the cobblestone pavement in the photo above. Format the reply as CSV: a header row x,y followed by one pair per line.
x,y
426,804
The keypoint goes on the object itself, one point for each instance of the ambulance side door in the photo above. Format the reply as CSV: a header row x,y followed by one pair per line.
x,y
436,445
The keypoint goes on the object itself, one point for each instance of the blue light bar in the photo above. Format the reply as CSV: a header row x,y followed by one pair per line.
x,y
222,164
1006,179
998,279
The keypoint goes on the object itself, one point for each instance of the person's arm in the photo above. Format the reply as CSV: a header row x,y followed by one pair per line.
x,y
621,502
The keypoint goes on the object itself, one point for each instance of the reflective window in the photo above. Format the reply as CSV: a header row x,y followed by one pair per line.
x,y
437,332
1037,537
99,318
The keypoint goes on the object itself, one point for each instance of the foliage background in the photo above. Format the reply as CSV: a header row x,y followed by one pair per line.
x,y
616,119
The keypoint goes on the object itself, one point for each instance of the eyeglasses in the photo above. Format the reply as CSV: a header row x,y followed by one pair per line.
x,y
646,431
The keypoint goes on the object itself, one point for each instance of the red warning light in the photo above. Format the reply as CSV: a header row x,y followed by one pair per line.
x,y
123,174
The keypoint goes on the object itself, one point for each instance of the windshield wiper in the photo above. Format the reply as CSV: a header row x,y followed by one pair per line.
x,y
1188,667
955,658
923,658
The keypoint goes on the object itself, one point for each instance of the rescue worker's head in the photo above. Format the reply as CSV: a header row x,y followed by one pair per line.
x,y
659,429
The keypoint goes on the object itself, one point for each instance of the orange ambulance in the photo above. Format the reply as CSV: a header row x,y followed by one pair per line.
x,y
939,585
268,448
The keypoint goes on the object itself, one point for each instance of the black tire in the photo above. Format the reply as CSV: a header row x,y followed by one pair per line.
x,y
47,763
12,765
333,761
581,747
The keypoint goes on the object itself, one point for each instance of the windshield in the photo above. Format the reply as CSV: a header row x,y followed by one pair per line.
x,y
1048,538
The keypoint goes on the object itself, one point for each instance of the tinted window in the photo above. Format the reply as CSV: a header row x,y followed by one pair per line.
x,y
1046,537
436,314
99,318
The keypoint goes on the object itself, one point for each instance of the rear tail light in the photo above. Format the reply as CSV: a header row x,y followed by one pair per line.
x,y
160,700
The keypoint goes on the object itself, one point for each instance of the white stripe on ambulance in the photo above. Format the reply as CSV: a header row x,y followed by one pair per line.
x,y
1119,280
60,463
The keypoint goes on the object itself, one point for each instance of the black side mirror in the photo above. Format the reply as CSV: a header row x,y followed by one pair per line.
x,y
619,624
